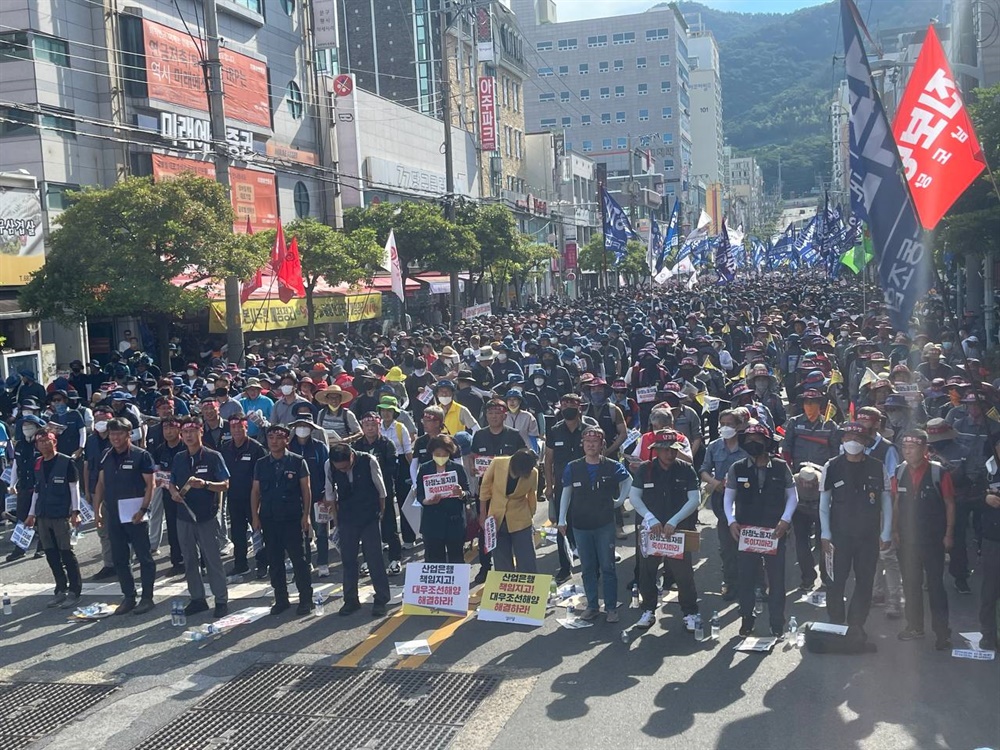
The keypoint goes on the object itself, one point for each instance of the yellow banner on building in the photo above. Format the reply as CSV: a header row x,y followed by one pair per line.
x,y
275,315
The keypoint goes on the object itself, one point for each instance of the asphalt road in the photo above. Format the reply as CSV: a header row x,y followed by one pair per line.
x,y
562,688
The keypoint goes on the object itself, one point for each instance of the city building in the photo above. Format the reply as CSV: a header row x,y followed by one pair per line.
x,y
840,135
706,107
614,86
745,182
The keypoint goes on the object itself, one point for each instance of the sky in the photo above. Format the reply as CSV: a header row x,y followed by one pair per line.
x,y
573,10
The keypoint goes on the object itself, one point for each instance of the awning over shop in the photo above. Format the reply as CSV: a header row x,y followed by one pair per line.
x,y
440,283
269,288
10,309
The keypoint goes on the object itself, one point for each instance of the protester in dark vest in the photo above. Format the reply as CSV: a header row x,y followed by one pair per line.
x,y
55,506
375,443
241,455
856,522
595,485
665,494
354,483
163,508
315,452
442,521
121,501
760,492
923,516
280,507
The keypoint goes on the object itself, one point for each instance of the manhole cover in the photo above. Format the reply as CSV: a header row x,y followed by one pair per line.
x,y
416,696
224,730
30,710
285,689
350,734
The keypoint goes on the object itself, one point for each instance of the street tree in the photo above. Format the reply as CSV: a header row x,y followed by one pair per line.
x,y
140,248
593,257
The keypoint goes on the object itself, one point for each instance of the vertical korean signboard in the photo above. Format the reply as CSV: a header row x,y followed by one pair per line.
x,y
22,245
487,113
484,35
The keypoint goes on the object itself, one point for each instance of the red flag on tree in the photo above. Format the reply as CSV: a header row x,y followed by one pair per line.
x,y
290,283
278,251
936,141
251,286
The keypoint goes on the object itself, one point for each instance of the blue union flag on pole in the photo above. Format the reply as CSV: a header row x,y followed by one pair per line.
x,y
617,228
879,194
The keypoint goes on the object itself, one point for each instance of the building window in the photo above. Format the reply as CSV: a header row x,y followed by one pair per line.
x,y
564,96
606,144
625,37
23,45
619,65
664,61
584,95
601,40
300,197
605,92
585,120
517,143
619,92
664,87
564,70
543,46
642,89
567,44
640,62
15,45
515,92
668,165
623,143
603,67
16,122
588,146
643,114
584,68
289,7
668,138
548,122
57,195
544,72
653,35
294,95
63,126
567,122
508,137
619,117
50,49
668,113
547,97
605,118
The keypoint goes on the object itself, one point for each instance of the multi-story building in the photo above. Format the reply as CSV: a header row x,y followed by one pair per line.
x,y
614,86
706,107
746,189
840,134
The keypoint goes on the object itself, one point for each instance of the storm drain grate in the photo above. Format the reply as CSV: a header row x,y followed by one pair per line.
x,y
307,708
349,734
30,710
211,730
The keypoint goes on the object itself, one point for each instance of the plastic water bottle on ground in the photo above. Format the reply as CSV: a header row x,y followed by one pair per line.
x,y
699,628
8,609
625,636
793,630
318,605
177,617
715,625
635,596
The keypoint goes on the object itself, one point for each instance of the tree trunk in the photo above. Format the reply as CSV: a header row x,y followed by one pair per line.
x,y
310,311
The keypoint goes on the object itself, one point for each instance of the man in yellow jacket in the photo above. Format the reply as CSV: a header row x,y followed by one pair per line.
x,y
509,494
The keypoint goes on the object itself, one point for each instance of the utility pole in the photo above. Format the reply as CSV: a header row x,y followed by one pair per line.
x,y
217,118
632,209
449,166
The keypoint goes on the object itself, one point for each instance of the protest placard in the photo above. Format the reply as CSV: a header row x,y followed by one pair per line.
x,y
490,533
161,478
441,485
22,536
517,598
436,589
758,539
426,395
645,395
481,464
86,512
657,545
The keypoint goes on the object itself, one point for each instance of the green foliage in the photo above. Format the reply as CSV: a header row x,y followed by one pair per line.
x,y
593,257
423,235
118,249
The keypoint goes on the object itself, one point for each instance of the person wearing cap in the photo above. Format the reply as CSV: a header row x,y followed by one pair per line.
x,y
760,492
280,501
508,494
416,382
241,455
96,446
594,486
254,400
339,422
945,448
228,406
316,452
22,480
377,443
55,506
442,521
990,560
856,523
198,478
29,389
355,488
366,383
608,417
482,368
456,416
161,507
123,408
469,394
504,365
932,367
522,421
923,521
765,387
720,454
122,498
73,437
666,494
283,410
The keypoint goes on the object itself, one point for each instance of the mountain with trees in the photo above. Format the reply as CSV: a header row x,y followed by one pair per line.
x,y
780,73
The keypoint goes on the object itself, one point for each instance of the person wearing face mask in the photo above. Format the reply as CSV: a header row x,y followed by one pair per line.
x,y
96,446
504,365
856,522
720,454
74,435
547,395
81,382
283,411
760,492
163,456
646,377
456,416
228,407
522,421
415,383
442,521
195,382
556,375
765,387
22,480
316,453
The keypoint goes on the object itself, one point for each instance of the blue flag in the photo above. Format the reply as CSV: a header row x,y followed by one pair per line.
x,y
783,250
671,242
723,262
879,193
805,244
617,228
655,249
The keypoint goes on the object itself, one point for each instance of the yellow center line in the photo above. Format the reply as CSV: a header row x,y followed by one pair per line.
x,y
443,633
369,644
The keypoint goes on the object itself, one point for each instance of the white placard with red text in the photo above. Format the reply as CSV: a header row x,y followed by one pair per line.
x,y
441,485
436,589
490,533
758,539
645,395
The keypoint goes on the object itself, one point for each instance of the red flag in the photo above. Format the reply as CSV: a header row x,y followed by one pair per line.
x,y
936,141
278,252
249,287
290,282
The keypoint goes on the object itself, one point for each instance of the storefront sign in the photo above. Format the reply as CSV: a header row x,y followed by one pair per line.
x,y
516,598
436,589
487,113
324,24
532,205
287,153
194,133
274,315
22,247
382,172
486,308
484,35
571,256
174,75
